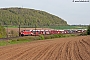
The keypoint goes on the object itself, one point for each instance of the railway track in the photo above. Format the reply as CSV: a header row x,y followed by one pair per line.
x,y
9,38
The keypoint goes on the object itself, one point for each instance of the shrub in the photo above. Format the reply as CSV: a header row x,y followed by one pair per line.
x,y
56,36
41,37
48,36
2,32
60,35
88,30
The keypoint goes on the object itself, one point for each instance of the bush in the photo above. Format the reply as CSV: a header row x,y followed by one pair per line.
x,y
88,30
41,37
48,36
2,32
56,36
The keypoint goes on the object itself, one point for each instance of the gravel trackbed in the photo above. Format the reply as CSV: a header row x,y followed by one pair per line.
x,y
72,48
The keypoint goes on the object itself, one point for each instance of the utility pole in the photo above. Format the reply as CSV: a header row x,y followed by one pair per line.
x,y
35,30
19,21
19,30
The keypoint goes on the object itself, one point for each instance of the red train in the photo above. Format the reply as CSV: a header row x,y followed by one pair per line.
x,y
47,32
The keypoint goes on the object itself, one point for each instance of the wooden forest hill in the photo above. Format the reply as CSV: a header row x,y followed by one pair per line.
x,y
28,17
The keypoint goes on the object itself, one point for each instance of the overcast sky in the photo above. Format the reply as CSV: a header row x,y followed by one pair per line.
x,y
73,13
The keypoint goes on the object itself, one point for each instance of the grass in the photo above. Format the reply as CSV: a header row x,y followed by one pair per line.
x,y
19,40
4,43
68,27
11,26
33,38
53,27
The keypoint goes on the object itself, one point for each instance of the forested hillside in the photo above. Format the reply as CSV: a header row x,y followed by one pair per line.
x,y
28,17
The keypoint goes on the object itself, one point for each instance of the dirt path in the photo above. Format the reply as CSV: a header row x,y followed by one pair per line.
x,y
73,48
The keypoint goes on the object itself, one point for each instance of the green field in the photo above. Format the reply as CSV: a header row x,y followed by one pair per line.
x,y
52,27
68,27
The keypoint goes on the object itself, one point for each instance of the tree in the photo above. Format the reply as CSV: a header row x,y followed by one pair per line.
x,y
88,30
2,32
